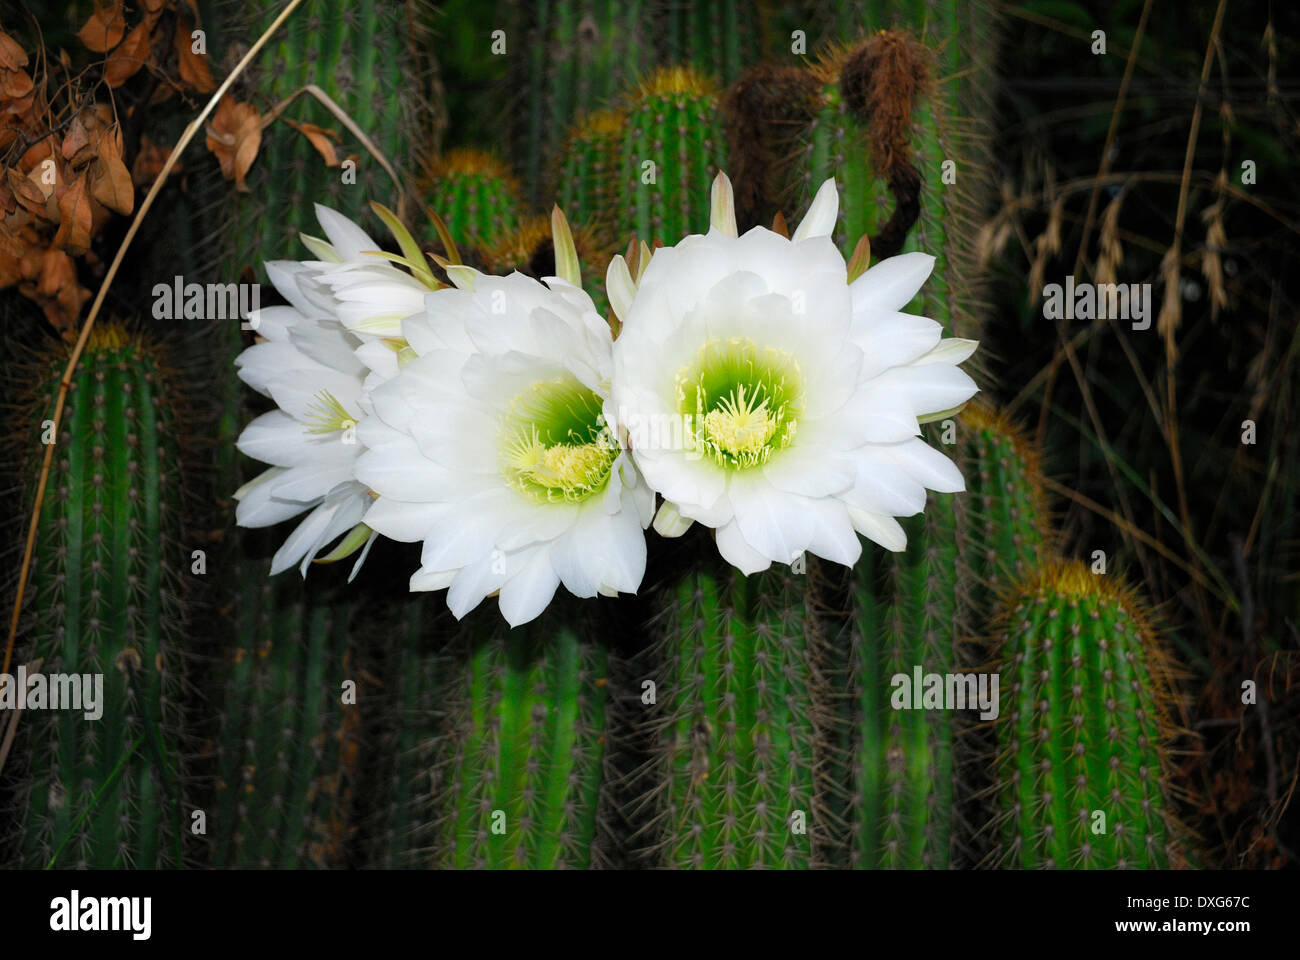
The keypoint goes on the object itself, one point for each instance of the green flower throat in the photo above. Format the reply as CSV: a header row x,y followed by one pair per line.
x,y
553,442
740,402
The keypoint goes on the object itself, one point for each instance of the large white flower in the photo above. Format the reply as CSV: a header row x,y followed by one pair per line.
x,y
319,374
765,395
490,446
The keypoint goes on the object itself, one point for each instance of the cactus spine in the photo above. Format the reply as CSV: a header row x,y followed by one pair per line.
x,y
1081,782
106,793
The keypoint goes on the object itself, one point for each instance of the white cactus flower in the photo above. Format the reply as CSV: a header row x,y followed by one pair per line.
x,y
765,395
319,373
490,446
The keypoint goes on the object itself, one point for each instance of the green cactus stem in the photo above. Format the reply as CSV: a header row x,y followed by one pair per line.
x,y
1082,775
673,146
104,602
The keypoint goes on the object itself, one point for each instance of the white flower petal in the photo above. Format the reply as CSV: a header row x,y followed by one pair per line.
x,y
820,219
619,285
737,552
928,388
348,240
773,523
474,582
927,466
525,595
834,537
953,351
669,521
811,471
274,437
404,521
258,507
424,579
891,284
880,529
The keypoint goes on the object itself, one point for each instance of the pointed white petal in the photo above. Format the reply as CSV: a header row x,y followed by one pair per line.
x,y
737,552
621,289
525,595
722,206
348,240
953,350
880,529
891,284
820,219
927,466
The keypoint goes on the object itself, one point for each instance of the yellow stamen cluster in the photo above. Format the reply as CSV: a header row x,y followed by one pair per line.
x,y
559,471
739,425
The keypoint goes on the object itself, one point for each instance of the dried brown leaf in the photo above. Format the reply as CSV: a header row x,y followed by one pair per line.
x,y
234,136
58,292
193,66
149,161
14,86
126,60
29,196
75,218
76,139
321,138
112,183
12,55
104,30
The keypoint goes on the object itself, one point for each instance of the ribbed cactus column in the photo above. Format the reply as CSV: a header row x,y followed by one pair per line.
x,y
287,739
476,198
918,790
717,37
905,135
282,751
906,770
363,56
401,736
736,741
673,146
104,605
1081,776
589,174
835,143
570,57
1009,528
521,746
